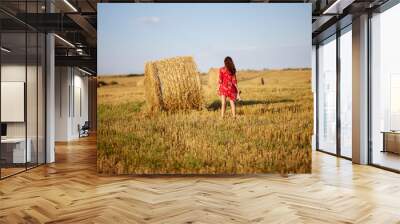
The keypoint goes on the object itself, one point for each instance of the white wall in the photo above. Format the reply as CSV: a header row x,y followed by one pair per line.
x,y
80,84
62,83
70,83
13,73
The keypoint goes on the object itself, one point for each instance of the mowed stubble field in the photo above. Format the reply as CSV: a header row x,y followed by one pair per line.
x,y
272,133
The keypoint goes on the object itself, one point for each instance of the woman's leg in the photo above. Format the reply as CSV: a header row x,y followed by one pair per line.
x,y
223,105
233,107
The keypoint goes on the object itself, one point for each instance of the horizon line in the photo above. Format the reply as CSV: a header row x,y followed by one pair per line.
x,y
265,69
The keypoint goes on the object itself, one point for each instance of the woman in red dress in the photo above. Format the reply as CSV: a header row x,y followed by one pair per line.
x,y
228,85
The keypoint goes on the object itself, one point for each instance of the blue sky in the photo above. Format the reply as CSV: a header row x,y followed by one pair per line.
x,y
255,35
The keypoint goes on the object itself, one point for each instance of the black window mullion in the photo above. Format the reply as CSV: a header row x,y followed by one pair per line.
x,y
45,89
26,87
317,97
37,90
369,90
45,96
338,81
73,92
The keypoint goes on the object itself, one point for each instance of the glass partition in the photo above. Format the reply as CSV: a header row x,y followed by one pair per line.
x,y
327,95
14,153
22,88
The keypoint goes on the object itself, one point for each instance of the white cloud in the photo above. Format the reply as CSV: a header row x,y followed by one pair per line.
x,y
150,19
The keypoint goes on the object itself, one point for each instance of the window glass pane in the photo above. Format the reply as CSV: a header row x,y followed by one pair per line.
x,y
346,93
327,96
386,89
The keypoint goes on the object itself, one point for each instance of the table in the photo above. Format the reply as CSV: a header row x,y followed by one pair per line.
x,y
391,141
13,150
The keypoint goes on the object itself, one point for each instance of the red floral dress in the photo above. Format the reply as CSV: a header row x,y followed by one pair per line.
x,y
227,84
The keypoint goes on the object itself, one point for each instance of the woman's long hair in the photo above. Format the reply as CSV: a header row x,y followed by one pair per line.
x,y
230,65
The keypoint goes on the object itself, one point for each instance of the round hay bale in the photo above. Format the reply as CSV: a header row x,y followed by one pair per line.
x,y
213,78
152,87
173,84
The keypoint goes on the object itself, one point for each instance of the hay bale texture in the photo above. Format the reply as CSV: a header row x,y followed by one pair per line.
x,y
213,78
173,84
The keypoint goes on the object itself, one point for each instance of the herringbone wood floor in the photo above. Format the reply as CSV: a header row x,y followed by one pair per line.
x,y
70,191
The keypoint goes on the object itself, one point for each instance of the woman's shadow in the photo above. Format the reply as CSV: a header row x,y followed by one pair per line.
x,y
216,104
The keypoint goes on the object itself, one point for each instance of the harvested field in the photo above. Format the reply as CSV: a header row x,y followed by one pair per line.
x,y
272,133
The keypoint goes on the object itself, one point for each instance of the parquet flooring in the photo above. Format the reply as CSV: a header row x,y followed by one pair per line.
x,y
70,191
10,171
